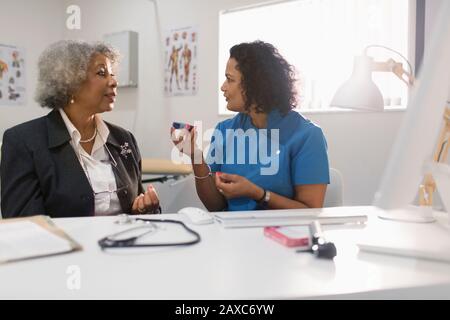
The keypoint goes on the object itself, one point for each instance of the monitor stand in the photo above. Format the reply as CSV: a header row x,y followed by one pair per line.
x,y
417,214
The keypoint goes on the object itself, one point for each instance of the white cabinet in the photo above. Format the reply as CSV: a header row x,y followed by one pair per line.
x,y
127,44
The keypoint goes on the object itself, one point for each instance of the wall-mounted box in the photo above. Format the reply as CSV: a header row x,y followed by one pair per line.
x,y
127,44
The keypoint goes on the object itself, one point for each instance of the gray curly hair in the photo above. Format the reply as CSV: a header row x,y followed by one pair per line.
x,y
63,68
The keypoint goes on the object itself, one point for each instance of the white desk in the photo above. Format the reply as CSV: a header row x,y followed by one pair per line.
x,y
227,264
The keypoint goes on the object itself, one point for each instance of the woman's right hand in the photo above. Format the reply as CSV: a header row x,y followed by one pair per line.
x,y
184,140
147,202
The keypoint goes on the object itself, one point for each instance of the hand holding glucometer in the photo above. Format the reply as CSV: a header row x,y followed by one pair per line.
x,y
184,140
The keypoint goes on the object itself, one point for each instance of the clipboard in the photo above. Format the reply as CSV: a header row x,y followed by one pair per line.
x,y
33,237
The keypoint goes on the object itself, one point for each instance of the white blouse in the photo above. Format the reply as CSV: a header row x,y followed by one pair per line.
x,y
97,166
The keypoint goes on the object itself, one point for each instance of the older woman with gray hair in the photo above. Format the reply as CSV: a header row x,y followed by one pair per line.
x,y
71,162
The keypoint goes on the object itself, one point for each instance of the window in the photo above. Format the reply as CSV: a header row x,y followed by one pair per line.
x,y
320,38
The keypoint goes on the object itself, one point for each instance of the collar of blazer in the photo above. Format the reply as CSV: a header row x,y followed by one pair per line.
x,y
58,134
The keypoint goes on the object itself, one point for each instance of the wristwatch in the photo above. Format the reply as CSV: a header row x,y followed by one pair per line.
x,y
264,201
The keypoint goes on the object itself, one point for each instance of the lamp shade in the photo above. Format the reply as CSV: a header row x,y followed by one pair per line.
x,y
359,91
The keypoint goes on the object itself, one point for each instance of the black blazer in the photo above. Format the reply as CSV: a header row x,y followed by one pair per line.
x,y
40,172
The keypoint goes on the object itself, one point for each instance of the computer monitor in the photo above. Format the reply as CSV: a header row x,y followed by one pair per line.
x,y
418,134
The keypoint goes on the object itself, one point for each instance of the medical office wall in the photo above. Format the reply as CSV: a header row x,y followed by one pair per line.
x,y
33,25
141,109
358,143
29,26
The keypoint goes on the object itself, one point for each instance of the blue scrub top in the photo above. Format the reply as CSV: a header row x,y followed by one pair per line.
x,y
290,151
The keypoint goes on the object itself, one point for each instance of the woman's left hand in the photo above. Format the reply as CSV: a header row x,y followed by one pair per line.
x,y
234,186
147,202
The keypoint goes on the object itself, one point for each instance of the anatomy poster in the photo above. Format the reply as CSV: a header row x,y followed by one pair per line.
x,y
12,75
180,65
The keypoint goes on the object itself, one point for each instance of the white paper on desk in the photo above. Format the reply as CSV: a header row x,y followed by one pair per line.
x,y
25,239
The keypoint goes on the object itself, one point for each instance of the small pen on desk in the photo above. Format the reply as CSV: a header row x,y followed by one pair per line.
x,y
320,247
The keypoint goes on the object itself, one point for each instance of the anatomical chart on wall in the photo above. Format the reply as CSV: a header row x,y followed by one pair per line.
x,y
180,62
12,75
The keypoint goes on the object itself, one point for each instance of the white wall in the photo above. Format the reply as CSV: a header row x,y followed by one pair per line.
x,y
431,11
32,25
142,109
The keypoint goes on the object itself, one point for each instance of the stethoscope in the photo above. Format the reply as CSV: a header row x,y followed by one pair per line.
x,y
110,242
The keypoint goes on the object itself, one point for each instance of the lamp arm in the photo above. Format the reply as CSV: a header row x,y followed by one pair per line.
x,y
392,50
396,68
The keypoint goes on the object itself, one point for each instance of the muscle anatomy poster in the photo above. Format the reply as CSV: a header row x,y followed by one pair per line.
x,y
180,65
12,75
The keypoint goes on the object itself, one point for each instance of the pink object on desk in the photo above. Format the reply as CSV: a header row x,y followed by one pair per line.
x,y
298,236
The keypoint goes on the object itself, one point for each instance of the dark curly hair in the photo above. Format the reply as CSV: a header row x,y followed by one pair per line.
x,y
267,79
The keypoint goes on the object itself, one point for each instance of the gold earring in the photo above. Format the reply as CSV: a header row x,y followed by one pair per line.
x,y
72,100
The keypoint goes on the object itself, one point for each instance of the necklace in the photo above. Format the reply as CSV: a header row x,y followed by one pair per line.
x,y
91,138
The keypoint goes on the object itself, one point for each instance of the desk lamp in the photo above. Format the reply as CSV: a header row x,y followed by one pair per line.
x,y
359,92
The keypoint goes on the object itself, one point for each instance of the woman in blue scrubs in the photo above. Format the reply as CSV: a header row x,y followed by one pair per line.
x,y
268,156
